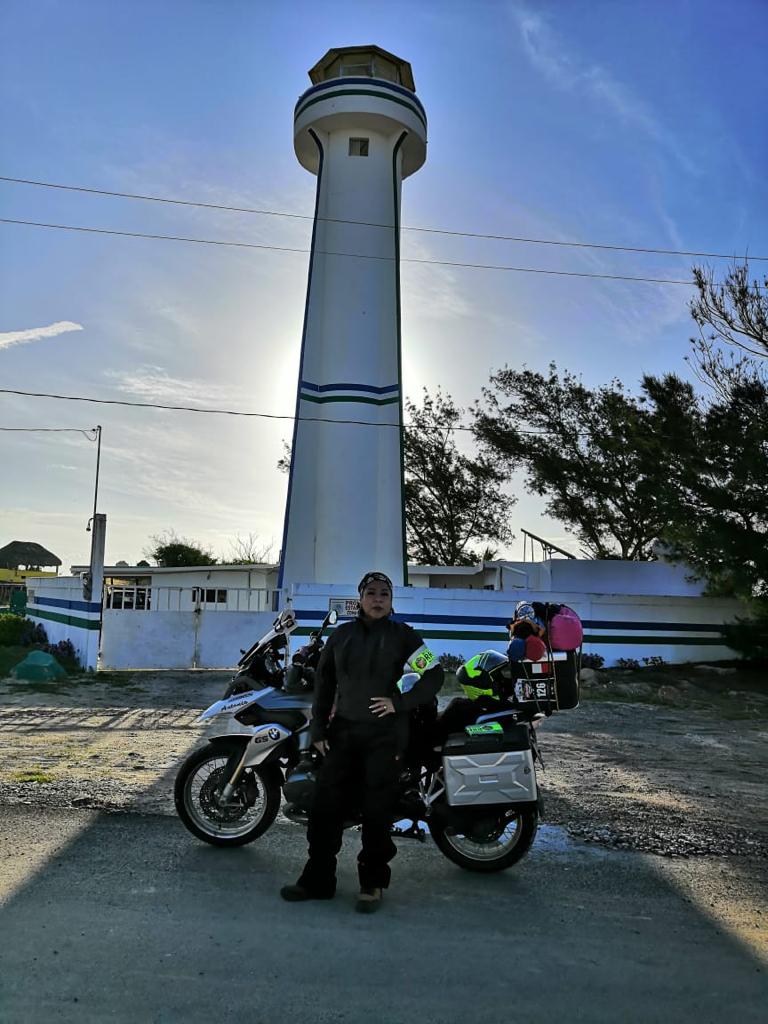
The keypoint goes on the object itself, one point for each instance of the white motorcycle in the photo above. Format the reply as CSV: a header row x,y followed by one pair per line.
x,y
473,780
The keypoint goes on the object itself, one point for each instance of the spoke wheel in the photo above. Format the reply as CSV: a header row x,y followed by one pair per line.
x,y
492,843
247,814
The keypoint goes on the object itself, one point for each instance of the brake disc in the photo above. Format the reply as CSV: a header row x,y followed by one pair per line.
x,y
211,805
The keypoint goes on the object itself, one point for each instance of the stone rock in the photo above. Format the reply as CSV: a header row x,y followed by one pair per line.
x,y
671,695
635,690
719,670
588,677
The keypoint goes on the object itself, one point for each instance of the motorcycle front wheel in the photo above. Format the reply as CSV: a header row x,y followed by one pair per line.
x,y
492,842
246,816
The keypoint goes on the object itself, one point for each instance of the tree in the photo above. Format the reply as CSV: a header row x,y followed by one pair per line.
x,y
718,494
599,456
249,550
734,311
284,462
732,318
452,500
172,552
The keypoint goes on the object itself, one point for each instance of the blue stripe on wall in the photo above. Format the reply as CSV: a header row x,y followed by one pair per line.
x,y
59,602
479,620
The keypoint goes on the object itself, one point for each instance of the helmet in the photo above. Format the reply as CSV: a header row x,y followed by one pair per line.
x,y
479,676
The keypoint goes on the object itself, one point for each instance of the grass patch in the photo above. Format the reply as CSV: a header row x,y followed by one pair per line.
x,y
10,656
40,686
32,775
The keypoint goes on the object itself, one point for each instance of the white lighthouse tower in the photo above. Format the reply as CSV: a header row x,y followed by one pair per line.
x,y
361,130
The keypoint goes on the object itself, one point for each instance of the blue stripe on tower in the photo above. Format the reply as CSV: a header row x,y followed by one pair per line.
x,y
351,387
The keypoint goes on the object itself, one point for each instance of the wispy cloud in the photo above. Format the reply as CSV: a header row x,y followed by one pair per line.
x,y
10,338
567,70
153,383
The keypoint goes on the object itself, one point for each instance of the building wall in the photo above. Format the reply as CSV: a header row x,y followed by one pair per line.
x,y
185,639
212,576
677,628
58,605
570,576
20,575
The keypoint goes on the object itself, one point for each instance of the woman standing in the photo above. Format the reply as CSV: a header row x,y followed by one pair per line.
x,y
364,742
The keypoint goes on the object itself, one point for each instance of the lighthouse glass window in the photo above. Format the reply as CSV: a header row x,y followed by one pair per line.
x,y
358,147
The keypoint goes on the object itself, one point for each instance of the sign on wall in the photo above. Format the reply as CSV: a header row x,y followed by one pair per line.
x,y
345,607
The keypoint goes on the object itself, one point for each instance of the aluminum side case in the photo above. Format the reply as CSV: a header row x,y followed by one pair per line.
x,y
489,770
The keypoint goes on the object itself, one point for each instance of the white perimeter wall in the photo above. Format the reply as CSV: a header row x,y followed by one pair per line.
x,y
59,606
205,639
676,628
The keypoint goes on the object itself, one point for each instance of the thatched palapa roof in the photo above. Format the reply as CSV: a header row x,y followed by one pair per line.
x,y
26,552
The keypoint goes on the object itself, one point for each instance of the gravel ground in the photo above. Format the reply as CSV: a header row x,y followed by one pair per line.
x,y
665,780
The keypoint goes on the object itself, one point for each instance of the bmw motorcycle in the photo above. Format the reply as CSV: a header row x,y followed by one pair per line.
x,y
470,778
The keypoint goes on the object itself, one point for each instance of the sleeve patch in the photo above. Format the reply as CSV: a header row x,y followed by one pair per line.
x,y
421,660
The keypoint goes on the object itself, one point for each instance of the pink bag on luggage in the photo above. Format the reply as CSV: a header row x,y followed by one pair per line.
x,y
565,630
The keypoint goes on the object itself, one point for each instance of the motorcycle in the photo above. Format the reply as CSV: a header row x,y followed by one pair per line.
x,y
471,778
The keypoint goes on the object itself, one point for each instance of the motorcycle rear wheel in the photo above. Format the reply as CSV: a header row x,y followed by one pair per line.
x,y
254,805
495,844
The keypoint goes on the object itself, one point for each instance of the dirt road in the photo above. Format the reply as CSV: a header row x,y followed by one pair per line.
x,y
658,779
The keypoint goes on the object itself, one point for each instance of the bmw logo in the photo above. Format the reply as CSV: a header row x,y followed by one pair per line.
x,y
274,734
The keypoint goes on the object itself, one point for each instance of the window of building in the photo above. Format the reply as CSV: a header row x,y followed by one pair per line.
x,y
358,147
129,599
209,596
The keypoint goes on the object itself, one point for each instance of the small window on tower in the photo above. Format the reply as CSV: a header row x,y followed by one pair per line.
x,y
358,147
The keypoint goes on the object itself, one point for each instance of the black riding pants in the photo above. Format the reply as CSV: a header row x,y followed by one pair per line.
x,y
361,773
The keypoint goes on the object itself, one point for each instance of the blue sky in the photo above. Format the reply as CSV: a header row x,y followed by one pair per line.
x,y
617,122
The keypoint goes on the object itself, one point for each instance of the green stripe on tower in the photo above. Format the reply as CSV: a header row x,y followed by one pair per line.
x,y
322,399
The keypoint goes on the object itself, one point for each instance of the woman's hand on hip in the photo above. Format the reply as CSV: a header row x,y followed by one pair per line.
x,y
322,746
381,706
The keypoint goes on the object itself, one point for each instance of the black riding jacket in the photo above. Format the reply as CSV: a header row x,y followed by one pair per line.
x,y
362,660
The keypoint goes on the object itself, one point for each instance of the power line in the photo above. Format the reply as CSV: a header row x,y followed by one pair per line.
x,y
54,430
263,415
350,255
193,408
373,224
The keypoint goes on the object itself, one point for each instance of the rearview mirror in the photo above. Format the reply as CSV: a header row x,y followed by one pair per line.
x,y
333,616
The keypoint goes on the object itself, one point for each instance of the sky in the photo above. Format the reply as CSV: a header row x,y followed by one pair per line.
x,y
599,121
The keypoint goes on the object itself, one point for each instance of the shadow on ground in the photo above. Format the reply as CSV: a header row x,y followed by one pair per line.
x,y
127,918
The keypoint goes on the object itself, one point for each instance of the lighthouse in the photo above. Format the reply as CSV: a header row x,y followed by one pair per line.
x,y
360,129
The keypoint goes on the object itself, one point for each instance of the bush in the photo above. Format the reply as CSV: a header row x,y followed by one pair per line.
x,y
32,634
451,662
11,627
592,661
627,663
750,636
65,653
655,661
